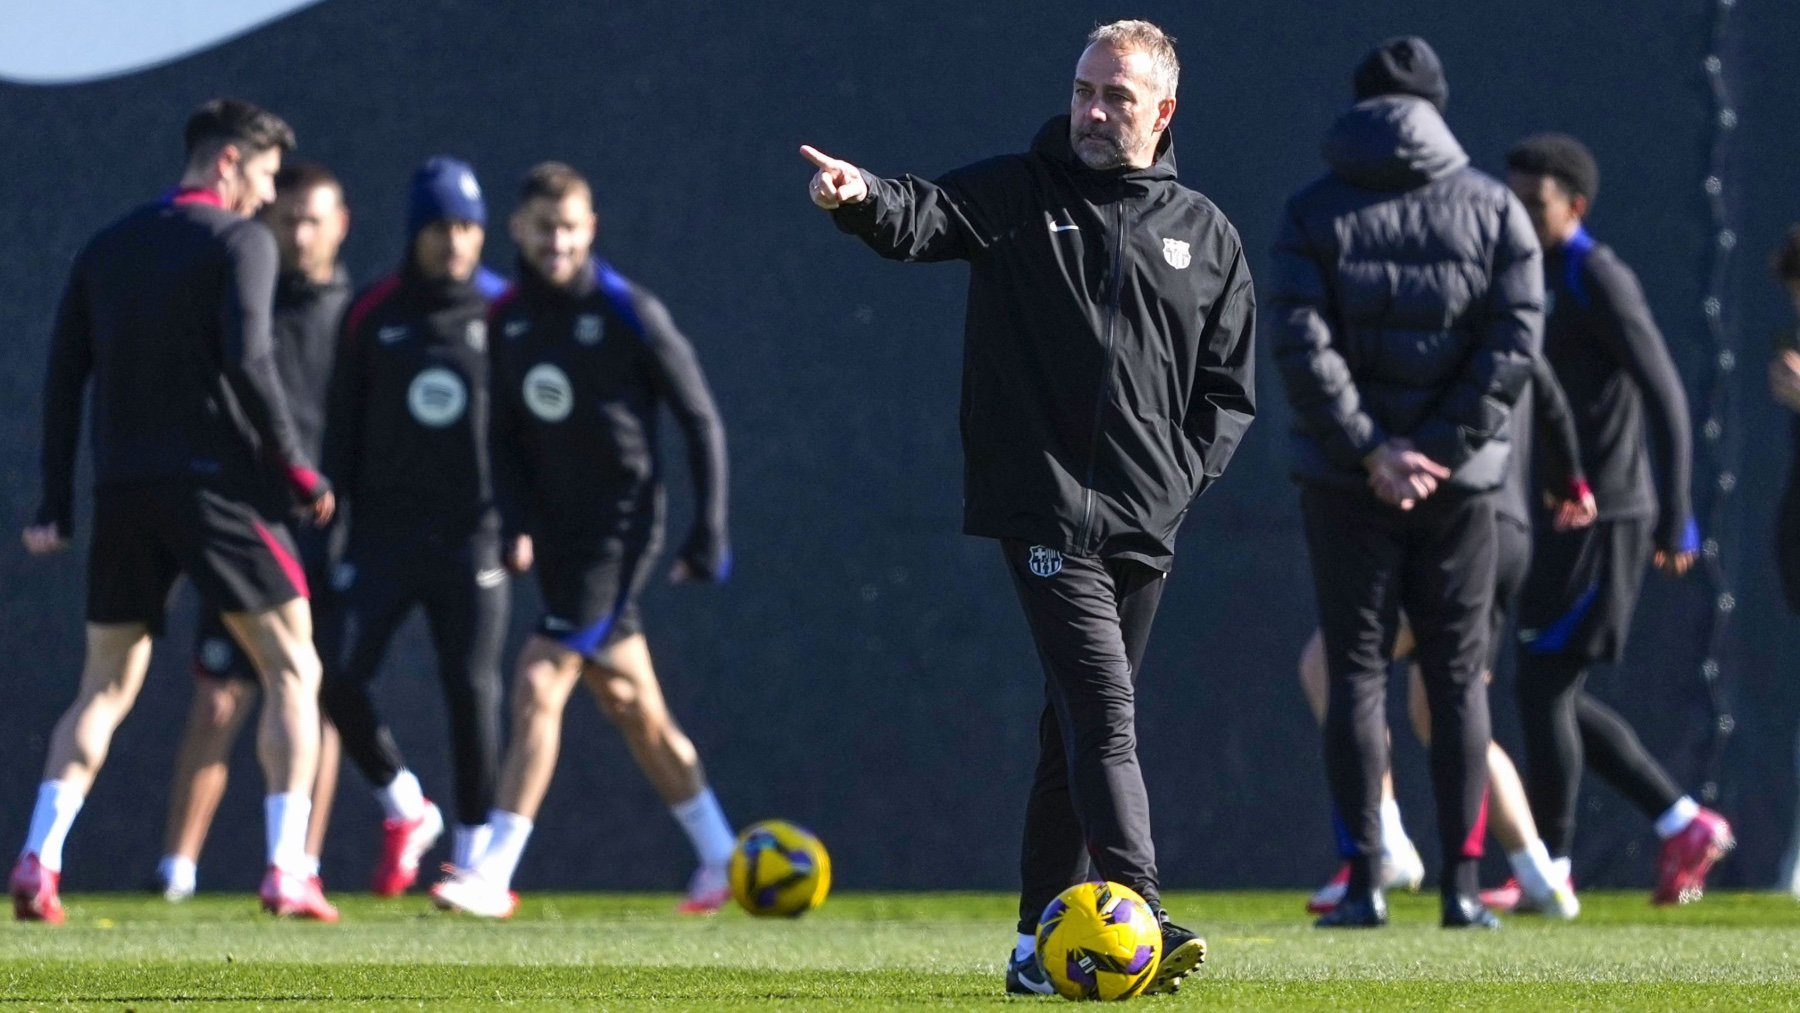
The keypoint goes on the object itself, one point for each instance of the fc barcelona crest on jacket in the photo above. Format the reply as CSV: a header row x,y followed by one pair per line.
x,y
1045,561
1175,251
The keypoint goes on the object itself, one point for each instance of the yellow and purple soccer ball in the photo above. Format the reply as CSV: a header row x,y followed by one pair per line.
x,y
779,868
1099,941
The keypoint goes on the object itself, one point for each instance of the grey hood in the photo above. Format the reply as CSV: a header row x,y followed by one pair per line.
x,y
1392,143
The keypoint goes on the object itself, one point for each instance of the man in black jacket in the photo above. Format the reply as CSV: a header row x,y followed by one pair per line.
x,y
407,441
167,313
310,221
1107,379
583,363
1408,307
1576,609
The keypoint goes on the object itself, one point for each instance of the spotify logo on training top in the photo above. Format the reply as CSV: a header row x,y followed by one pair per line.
x,y
548,393
437,397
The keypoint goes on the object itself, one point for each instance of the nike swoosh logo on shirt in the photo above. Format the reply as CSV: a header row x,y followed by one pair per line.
x,y
1064,228
69,41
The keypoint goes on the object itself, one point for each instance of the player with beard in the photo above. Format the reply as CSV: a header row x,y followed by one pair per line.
x,y
1107,380
166,312
584,362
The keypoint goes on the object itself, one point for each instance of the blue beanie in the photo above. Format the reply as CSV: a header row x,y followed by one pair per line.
x,y
444,189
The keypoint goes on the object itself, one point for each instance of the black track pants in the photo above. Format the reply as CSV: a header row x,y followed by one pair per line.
x,y
1437,561
464,592
1090,619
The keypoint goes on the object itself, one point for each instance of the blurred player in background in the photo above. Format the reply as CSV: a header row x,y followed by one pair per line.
x,y
1784,384
1107,379
584,361
167,312
310,221
1577,603
1543,408
1408,310
407,440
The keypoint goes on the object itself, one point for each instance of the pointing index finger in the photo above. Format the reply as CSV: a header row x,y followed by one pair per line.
x,y
817,157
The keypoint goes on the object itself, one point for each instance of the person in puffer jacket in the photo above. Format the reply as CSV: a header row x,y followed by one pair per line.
x,y
1408,304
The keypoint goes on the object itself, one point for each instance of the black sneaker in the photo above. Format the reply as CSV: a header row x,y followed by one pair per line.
x,y
1461,912
1027,977
1183,951
1366,912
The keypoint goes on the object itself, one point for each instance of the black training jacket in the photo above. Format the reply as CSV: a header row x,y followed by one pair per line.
x,y
1542,435
1108,344
1609,355
1409,301
579,377
406,434
308,318
167,311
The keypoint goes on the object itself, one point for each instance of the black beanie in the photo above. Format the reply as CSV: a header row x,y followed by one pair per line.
x,y
1405,65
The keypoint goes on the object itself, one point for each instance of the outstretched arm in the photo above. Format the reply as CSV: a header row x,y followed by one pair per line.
x,y
914,219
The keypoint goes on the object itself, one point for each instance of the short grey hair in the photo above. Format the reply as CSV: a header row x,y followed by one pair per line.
x,y
1143,37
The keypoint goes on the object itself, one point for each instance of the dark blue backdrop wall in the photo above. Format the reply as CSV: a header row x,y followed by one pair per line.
x,y
866,671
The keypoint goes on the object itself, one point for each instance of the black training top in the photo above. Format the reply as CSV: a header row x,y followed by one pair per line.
x,y
308,316
406,437
1611,360
167,310
1108,346
579,375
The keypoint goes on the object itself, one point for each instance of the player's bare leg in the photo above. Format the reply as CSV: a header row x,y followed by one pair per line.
x,y
544,676
624,684
331,754
118,655
202,770
280,645
623,681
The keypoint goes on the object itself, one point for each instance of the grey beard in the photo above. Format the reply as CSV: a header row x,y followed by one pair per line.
x,y
1100,153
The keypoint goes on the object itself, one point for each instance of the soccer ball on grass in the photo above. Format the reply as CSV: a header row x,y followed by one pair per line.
x,y
1099,941
779,869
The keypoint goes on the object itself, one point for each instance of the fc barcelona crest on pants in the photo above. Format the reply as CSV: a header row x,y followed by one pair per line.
x,y
1045,561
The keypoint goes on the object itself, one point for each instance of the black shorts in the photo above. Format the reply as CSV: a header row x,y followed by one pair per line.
x,y
146,535
216,652
1583,589
590,592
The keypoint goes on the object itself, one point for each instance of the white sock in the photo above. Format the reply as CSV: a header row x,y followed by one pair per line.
x,y
57,804
706,828
1564,869
507,834
402,799
469,843
285,819
1676,818
312,865
178,872
1532,867
1393,832
1025,947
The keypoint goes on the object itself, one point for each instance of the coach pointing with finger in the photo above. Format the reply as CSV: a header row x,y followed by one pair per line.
x,y
1107,379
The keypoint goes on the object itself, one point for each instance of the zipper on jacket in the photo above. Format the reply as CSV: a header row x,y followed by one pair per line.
x,y
1115,286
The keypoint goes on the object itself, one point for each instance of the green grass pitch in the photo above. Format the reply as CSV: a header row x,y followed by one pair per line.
x,y
564,951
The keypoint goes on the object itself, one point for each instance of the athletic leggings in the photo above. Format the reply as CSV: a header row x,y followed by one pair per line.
x,y
1563,723
464,592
